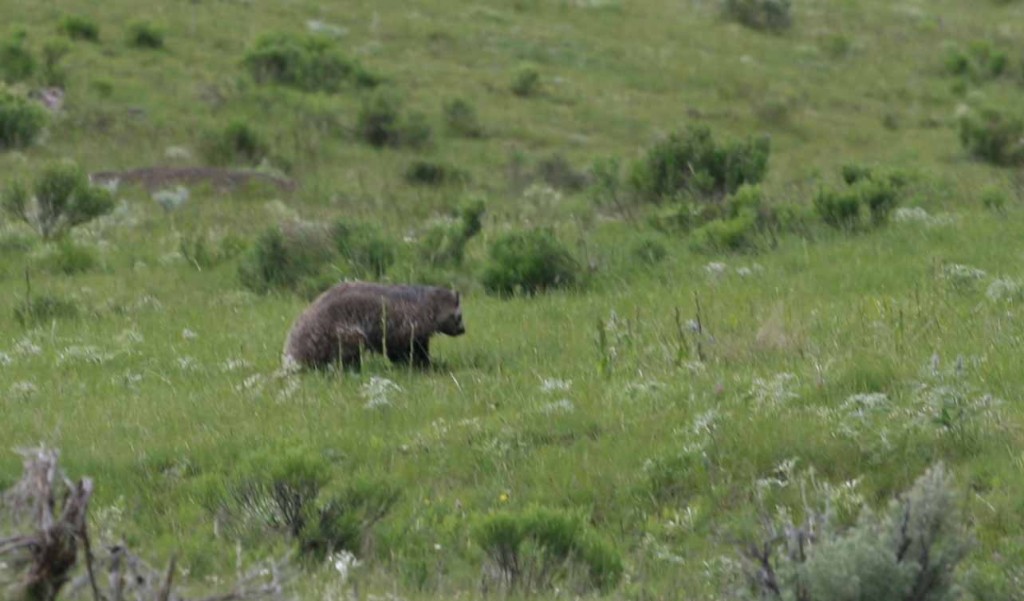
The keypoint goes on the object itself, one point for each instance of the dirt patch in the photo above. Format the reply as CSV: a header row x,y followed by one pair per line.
x,y
221,179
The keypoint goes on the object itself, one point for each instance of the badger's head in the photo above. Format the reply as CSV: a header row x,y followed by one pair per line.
x,y
449,313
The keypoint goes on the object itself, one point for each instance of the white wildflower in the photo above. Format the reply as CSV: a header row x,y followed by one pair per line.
x,y
705,422
318,26
773,391
253,383
130,336
177,153
187,363
83,354
171,199
23,389
25,346
378,392
288,391
5,359
555,385
1004,290
910,215
744,272
234,364
344,562
862,404
559,406
962,274
188,334
715,268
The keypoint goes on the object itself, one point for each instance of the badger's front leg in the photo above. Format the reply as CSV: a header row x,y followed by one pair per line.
x,y
421,353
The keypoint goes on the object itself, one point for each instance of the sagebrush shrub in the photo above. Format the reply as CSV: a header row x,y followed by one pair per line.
x,y
305,62
557,172
877,192
529,262
21,120
763,15
993,136
17,63
444,245
979,62
293,492
78,27
236,143
908,553
525,82
432,173
143,34
367,251
285,259
380,122
536,549
44,309
692,164
461,119
61,198
69,259
730,234
649,250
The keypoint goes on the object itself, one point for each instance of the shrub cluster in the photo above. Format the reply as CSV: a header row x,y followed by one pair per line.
x,y
692,165
461,119
908,553
878,193
762,15
21,121
78,27
534,550
526,82
238,143
529,262
381,123
432,173
444,245
17,63
979,62
307,258
304,62
145,35
993,136
292,492
61,198
44,309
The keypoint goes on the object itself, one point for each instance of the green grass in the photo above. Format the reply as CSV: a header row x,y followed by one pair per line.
x,y
163,387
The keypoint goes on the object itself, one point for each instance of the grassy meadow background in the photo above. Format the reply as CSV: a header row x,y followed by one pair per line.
x,y
832,364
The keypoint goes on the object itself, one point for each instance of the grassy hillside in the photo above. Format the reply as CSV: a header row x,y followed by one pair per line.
x,y
671,400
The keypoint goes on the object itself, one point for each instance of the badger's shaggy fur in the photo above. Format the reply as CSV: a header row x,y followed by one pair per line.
x,y
394,320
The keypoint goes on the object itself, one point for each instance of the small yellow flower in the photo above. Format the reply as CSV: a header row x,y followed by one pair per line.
x,y
503,497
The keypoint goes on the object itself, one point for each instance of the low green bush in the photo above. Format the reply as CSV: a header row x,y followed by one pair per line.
x,y
692,165
380,122
529,262
978,62
21,120
17,63
237,143
431,173
993,136
145,35
68,258
444,245
526,82
537,549
44,309
305,62
61,199
877,192
367,251
286,259
79,27
461,119
762,15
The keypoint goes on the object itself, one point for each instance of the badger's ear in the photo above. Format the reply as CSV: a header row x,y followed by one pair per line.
x,y
458,299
